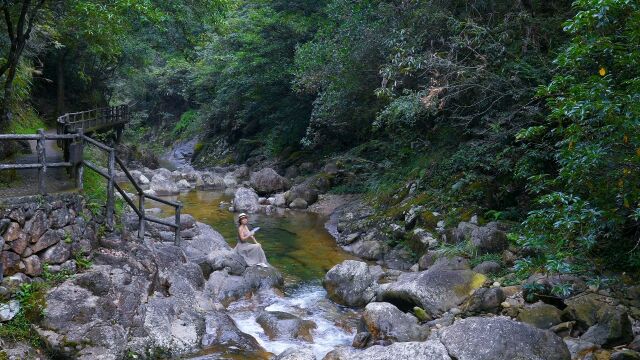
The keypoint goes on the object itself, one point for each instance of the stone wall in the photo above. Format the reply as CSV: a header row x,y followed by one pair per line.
x,y
39,230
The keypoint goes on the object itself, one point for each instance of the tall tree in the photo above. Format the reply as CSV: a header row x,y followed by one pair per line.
x,y
20,18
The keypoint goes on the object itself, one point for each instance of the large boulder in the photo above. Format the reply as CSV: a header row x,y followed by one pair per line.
x,y
221,330
267,181
210,181
299,204
604,324
500,338
350,283
490,238
485,300
225,288
281,325
435,290
383,323
246,200
163,185
488,267
427,350
302,191
540,315
136,297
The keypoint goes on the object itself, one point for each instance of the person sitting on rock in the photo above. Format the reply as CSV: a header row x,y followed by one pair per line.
x,y
247,246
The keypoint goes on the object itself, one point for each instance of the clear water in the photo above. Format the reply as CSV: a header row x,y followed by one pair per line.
x,y
297,244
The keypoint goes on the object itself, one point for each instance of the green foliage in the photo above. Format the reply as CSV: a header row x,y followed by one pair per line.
x,y
464,249
186,121
82,262
590,202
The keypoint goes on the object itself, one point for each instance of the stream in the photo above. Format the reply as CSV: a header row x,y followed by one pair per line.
x,y
299,246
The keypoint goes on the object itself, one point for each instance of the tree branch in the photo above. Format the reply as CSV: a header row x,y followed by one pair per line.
x,y
7,19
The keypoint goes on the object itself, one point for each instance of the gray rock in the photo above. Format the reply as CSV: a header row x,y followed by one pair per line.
x,y
246,200
348,239
385,324
10,262
399,258
33,266
487,267
163,185
500,338
427,260
13,232
69,266
485,300
296,353
451,263
9,310
368,249
302,191
299,204
579,349
540,315
605,324
57,254
350,283
183,185
267,181
50,238
489,238
625,355
461,233
428,350
279,200
435,290
280,325
36,226
20,244
59,218
221,330
225,288
210,181
229,259
423,239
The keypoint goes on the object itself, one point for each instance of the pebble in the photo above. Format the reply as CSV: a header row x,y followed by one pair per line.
x,y
496,284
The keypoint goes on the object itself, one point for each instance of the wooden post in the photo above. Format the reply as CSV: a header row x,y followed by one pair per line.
x,y
178,225
110,188
42,159
79,168
141,219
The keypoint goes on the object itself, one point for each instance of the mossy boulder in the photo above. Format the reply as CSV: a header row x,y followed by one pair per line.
x,y
604,323
540,315
436,290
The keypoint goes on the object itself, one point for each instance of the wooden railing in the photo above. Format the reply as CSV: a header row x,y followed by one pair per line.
x,y
42,163
92,120
110,175
77,162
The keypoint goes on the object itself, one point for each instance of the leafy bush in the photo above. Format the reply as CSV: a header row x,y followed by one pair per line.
x,y
591,202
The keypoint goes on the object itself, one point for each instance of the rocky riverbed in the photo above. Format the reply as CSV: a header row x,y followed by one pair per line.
x,y
391,300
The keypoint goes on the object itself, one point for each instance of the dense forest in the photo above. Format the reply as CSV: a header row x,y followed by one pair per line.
x,y
522,111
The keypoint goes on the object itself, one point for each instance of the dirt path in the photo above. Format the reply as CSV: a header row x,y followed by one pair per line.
x,y
57,179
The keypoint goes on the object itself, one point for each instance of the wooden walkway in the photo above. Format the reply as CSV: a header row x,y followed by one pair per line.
x,y
73,140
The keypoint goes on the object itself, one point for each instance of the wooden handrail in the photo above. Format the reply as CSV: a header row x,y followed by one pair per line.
x,y
94,118
109,174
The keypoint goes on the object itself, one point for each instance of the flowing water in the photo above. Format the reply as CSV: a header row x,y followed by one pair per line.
x,y
297,244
